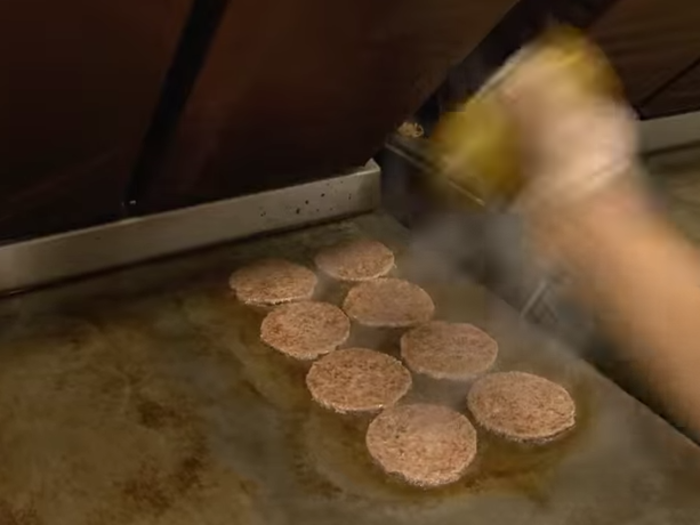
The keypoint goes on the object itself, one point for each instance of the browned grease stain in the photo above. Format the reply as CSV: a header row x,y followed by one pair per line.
x,y
156,488
146,491
157,482
15,516
156,415
152,491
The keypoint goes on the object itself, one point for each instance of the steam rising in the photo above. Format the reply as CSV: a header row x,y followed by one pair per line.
x,y
491,247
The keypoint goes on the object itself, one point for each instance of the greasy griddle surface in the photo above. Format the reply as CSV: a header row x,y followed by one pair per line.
x,y
145,396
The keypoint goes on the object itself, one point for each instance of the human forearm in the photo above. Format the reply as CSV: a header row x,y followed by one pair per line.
x,y
586,206
642,279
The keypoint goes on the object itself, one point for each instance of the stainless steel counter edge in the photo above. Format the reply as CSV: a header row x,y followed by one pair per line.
x,y
663,133
47,259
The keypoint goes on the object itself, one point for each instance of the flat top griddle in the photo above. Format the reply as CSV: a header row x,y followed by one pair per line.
x,y
145,397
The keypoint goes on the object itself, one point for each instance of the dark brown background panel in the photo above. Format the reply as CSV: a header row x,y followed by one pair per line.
x,y
78,83
649,41
297,89
680,96
522,24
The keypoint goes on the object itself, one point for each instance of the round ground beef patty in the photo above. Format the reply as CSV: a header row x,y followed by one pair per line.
x,y
305,330
388,303
521,406
454,351
356,261
357,380
424,445
273,281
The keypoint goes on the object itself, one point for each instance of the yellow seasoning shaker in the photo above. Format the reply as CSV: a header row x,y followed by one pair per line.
x,y
475,147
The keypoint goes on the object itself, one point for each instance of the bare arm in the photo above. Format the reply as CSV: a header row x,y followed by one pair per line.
x,y
642,279
591,215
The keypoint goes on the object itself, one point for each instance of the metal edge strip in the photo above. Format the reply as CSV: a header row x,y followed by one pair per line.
x,y
47,259
670,132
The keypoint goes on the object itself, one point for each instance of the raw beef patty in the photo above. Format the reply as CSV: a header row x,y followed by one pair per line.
x,y
272,281
521,406
356,261
388,303
455,351
305,330
357,380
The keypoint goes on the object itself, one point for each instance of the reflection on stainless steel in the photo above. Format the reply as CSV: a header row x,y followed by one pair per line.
x,y
79,252
146,396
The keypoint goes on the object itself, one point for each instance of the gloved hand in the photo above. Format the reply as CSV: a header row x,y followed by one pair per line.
x,y
574,143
